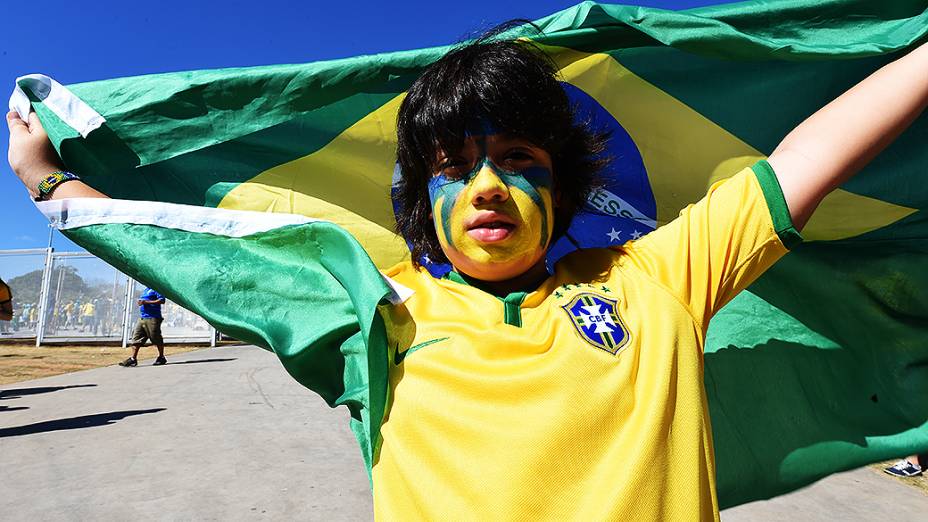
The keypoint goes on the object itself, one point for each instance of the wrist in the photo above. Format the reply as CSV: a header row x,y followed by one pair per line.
x,y
51,182
34,174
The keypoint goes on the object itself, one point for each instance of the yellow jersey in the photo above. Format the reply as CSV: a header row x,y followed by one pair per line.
x,y
580,400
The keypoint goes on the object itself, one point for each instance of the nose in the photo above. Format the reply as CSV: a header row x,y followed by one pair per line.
x,y
488,187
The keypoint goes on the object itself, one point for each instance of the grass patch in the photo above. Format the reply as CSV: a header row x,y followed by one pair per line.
x,y
24,362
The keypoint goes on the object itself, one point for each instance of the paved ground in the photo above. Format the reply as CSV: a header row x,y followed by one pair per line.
x,y
218,434
225,434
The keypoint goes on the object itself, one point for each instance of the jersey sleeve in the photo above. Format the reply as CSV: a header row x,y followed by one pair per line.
x,y
720,245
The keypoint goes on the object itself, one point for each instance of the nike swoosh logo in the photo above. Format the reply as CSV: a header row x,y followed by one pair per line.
x,y
401,356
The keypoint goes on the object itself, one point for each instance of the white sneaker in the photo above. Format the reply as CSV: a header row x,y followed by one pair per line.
x,y
904,468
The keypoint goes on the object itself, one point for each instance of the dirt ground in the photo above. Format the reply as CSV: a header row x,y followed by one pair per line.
x,y
22,362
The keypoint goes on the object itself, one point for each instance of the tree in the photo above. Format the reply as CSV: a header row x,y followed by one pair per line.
x,y
26,287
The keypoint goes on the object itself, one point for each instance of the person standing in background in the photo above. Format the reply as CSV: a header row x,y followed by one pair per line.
x,y
6,304
86,318
68,312
148,328
95,317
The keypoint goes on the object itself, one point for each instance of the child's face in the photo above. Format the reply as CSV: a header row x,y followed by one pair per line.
x,y
493,206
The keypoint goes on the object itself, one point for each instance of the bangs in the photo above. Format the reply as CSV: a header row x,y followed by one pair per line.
x,y
510,91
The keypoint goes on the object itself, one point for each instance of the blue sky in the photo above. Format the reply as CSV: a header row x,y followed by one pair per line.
x,y
99,39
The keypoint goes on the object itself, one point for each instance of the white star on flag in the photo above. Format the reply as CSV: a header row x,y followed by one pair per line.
x,y
636,234
613,235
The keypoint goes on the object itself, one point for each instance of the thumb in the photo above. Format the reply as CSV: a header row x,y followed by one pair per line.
x,y
15,123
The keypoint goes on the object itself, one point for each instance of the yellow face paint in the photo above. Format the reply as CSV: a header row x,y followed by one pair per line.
x,y
494,222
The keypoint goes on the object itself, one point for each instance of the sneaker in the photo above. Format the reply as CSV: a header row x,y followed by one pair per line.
x,y
129,362
159,361
904,468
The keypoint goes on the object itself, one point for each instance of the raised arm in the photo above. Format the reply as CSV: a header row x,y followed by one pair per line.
x,y
32,158
840,139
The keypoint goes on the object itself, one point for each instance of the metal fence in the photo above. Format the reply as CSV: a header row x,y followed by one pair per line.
x,y
73,297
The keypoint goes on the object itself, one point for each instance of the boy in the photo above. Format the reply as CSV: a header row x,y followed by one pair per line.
x,y
515,394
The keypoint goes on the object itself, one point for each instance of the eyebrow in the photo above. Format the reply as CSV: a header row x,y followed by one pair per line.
x,y
441,153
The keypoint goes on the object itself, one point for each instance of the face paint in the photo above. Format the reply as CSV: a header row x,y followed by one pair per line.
x,y
517,209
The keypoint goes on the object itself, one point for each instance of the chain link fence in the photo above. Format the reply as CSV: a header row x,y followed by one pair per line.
x,y
74,297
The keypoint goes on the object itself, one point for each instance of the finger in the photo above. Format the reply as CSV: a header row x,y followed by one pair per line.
x,y
35,126
15,123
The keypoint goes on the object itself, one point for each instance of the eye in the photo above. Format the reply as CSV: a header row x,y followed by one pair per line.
x,y
517,158
454,167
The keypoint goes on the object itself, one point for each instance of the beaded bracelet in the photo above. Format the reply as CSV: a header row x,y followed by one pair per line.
x,y
51,182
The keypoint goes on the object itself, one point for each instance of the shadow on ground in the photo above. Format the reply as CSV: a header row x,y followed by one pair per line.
x,y
16,393
202,361
73,423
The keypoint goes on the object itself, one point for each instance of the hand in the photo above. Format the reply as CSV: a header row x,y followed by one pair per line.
x,y
31,154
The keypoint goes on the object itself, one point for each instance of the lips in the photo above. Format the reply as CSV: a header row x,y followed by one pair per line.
x,y
490,226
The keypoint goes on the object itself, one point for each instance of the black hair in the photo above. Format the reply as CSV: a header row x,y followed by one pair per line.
x,y
512,85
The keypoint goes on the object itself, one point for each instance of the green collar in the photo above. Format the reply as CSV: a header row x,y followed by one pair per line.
x,y
512,303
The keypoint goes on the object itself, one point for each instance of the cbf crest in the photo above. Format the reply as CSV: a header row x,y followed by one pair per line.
x,y
597,321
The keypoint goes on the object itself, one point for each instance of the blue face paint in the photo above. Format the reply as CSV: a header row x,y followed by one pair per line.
x,y
479,128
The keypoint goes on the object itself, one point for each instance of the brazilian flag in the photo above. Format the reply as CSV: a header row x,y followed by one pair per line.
x,y
820,366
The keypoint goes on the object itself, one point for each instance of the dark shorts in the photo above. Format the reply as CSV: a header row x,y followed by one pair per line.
x,y
147,329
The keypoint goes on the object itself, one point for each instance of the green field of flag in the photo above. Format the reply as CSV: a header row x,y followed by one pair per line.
x,y
821,366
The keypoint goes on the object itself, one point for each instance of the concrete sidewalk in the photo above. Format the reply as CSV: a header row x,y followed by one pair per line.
x,y
226,434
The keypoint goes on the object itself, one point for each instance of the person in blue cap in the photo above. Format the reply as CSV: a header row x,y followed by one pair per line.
x,y
148,328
